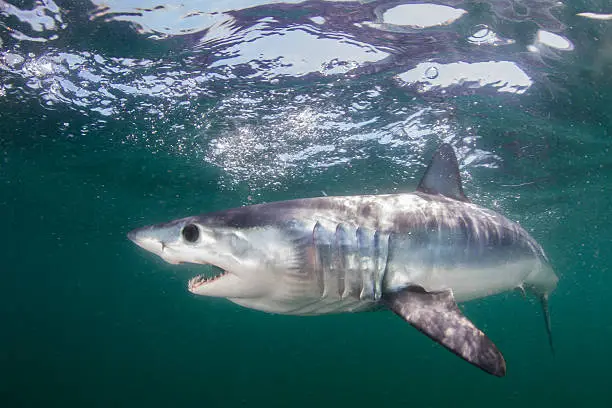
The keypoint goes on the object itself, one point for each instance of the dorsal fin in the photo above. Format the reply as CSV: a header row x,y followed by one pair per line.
x,y
442,175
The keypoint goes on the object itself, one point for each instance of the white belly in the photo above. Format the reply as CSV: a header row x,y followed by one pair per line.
x,y
477,282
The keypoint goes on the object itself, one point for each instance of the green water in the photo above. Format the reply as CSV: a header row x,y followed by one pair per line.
x,y
88,319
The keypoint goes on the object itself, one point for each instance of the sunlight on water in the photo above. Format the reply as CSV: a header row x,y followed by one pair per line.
x,y
195,101
330,64
420,15
502,76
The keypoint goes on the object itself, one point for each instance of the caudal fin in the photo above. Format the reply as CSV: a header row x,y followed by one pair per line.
x,y
546,314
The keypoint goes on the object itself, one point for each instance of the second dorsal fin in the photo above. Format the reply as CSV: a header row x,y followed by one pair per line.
x,y
442,175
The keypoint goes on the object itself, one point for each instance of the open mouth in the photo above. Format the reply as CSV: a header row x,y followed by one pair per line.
x,y
205,279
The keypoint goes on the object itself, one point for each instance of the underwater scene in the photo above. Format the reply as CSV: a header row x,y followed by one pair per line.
x,y
449,168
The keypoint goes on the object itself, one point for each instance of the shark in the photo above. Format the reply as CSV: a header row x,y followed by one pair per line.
x,y
417,254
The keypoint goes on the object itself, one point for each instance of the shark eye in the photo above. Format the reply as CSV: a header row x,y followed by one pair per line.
x,y
190,233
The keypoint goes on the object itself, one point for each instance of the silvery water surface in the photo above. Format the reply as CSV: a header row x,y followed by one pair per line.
x,y
117,114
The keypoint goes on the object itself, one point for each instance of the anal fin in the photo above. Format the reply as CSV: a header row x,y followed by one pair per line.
x,y
437,315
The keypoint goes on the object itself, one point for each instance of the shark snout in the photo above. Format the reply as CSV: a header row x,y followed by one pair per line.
x,y
139,235
132,235
156,240
144,239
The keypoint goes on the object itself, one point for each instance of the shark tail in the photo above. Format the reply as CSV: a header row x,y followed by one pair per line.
x,y
546,313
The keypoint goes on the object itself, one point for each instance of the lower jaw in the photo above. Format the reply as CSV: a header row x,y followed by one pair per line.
x,y
202,280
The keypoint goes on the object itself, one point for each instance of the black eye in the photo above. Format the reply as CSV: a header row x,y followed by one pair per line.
x,y
191,233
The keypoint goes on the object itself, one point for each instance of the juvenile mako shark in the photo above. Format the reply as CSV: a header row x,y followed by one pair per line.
x,y
417,254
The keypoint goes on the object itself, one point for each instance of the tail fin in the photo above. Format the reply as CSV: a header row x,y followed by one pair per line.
x,y
544,302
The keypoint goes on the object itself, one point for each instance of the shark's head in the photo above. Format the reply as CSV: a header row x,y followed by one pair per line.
x,y
245,257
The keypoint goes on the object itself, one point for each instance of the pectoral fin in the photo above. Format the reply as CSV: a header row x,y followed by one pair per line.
x,y
437,315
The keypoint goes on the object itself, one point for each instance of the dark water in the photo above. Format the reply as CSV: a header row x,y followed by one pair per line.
x,y
116,114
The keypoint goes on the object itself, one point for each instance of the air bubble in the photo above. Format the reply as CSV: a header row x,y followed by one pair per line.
x,y
480,31
431,73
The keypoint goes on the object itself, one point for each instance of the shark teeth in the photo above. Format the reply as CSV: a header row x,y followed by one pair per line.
x,y
200,280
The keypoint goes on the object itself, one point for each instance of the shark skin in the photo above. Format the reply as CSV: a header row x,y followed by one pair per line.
x,y
417,254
